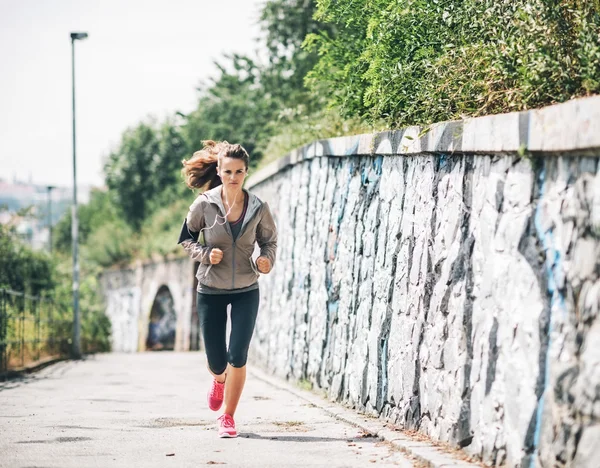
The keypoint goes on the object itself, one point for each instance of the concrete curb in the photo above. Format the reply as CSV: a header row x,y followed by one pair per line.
x,y
426,454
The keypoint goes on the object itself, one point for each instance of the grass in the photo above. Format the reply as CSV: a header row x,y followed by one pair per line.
x,y
305,384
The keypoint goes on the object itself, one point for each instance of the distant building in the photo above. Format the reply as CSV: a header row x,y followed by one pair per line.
x,y
37,202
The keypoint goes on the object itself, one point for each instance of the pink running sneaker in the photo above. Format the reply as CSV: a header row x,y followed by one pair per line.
x,y
226,426
215,395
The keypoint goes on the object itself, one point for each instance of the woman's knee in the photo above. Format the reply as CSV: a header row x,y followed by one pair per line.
x,y
237,358
216,364
217,370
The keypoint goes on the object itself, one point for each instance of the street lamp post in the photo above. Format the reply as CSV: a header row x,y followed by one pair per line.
x,y
76,348
50,188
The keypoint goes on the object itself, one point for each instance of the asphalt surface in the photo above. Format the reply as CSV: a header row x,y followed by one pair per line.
x,y
149,410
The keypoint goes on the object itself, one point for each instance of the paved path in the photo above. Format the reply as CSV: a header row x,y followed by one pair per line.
x,y
149,410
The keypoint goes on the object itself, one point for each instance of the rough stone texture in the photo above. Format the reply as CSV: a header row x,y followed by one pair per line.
x,y
130,293
455,294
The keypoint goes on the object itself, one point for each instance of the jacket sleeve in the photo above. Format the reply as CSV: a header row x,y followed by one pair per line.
x,y
266,235
191,238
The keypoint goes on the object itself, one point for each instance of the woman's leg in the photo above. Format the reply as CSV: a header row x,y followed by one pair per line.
x,y
212,315
244,309
218,377
236,378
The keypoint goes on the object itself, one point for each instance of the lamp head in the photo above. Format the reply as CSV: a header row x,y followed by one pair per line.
x,y
78,35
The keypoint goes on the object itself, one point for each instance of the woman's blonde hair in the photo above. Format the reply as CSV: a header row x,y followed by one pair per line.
x,y
201,168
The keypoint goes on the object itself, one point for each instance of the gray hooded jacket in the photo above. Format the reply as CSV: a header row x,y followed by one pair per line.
x,y
237,269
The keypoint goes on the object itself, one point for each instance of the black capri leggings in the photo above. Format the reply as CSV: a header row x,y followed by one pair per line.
x,y
212,314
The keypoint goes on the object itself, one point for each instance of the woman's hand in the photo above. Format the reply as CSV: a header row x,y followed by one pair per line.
x,y
263,264
216,255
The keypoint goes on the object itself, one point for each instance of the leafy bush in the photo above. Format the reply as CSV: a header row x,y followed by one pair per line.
x,y
112,243
95,325
160,232
294,131
421,61
21,268
40,276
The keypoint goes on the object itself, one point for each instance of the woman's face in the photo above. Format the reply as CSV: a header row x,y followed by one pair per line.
x,y
232,172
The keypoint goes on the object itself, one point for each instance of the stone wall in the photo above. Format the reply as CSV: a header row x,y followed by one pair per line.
x,y
447,279
130,292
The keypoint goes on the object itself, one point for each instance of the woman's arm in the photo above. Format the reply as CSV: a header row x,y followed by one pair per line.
x,y
194,223
266,236
197,252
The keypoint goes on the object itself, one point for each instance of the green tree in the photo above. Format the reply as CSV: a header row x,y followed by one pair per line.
x,y
21,268
250,102
146,164
235,107
100,210
286,23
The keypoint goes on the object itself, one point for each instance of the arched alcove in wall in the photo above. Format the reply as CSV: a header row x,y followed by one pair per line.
x,y
162,322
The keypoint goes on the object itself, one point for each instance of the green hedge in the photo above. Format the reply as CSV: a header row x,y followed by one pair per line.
x,y
422,61
38,275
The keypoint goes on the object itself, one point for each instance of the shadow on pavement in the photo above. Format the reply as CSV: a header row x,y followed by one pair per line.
x,y
300,438
52,371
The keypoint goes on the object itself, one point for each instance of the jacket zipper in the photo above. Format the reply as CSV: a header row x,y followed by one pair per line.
x,y
228,229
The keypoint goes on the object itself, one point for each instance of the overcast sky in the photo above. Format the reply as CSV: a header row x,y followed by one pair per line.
x,y
142,57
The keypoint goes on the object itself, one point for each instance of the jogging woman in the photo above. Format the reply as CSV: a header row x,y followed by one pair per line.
x,y
222,227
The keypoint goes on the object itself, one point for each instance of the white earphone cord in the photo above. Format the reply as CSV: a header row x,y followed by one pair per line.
x,y
219,216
